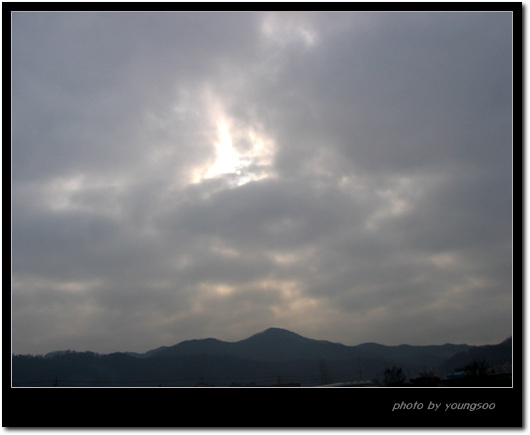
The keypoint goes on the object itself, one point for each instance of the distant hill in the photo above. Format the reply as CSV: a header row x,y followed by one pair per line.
x,y
273,344
270,357
493,355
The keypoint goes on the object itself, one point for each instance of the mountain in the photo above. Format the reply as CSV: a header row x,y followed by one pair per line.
x,y
273,344
494,355
265,358
276,344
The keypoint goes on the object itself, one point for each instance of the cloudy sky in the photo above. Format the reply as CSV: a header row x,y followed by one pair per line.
x,y
343,175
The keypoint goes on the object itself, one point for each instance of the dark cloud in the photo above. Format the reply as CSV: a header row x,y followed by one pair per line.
x,y
182,175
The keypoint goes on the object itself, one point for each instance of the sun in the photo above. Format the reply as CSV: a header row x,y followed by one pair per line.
x,y
242,151
228,160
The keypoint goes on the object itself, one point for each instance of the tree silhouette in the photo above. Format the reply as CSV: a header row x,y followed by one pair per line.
x,y
478,368
394,376
427,373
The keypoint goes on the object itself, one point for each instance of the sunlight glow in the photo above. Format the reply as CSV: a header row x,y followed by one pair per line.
x,y
243,153
228,160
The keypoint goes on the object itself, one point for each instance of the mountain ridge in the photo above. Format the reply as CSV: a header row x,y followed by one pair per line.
x,y
275,336
268,355
269,335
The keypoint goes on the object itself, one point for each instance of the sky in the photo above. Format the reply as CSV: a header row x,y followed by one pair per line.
x,y
179,175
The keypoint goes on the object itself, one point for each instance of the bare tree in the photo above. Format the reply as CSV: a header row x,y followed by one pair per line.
x,y
478,368
394,376
427,373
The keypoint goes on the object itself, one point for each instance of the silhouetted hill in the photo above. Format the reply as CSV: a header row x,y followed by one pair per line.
x,y
207,346
276,344
405,352
265,358
492,355
273,344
